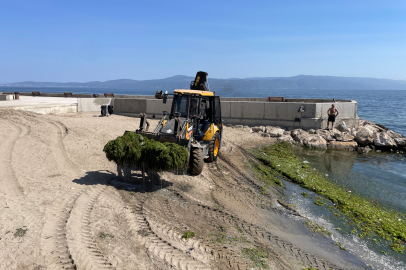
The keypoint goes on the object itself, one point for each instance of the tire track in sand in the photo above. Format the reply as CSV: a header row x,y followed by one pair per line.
x,y
14,193
61,246
205,250
149,234
80,239
156,218
62,159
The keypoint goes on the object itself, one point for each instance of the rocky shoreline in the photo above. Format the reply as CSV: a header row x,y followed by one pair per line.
x,y
368,136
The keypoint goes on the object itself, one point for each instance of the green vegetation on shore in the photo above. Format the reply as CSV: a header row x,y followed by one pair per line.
x,y
264,173
136,150
188,234
368,216
257,255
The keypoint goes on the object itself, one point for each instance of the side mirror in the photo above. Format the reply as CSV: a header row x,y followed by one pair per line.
x,y
165,98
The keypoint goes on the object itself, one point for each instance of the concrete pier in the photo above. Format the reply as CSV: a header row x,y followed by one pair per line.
x,y
42,105
236,111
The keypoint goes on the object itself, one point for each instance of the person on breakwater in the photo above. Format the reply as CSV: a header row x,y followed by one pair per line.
x,y
332,114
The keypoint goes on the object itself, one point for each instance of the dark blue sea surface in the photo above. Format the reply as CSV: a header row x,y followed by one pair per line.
x,y
385,107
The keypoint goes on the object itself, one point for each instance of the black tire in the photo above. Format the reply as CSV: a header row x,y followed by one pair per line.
x,y
196,161
214,147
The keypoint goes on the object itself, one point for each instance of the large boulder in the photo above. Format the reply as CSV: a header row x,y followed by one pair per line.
x,y
297,131
347,146
258,129
394,134
309,140
315,141
335,133
345,137
400,142
325,134
373,127
365,136
299,135
382,139
274,131
285,138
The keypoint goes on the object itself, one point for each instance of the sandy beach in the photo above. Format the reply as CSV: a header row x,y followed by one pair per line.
x,y
63,205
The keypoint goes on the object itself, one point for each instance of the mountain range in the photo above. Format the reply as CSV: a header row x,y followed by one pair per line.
x,y
180,81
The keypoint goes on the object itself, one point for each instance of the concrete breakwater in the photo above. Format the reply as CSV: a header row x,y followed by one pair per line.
x,y
245,111
364,138
255,111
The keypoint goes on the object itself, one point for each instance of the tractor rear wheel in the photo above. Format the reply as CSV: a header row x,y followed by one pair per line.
x,y
196,161
214,146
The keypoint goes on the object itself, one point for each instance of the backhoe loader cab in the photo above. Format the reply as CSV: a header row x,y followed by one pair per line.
x,y
194,122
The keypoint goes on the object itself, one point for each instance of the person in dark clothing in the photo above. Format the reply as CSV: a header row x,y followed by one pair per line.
x,y
193,108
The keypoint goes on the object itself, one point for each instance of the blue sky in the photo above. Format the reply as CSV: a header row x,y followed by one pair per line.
x,y
65,41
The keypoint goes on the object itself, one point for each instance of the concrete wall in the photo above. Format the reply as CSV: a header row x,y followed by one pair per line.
x,y
284,113
240,111
346,109
6,97
93,104
134,106
49,109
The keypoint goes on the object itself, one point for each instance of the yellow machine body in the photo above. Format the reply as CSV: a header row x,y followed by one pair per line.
x,y
193,92
210,132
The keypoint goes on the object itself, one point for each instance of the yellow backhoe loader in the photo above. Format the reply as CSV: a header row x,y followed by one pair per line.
x,y
194,122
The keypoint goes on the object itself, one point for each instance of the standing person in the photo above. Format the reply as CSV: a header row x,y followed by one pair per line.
x,y
332,114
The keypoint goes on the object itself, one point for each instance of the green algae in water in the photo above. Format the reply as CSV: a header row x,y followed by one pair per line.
x,y
136,150
319,202
264,173
367,215
397,247
316,227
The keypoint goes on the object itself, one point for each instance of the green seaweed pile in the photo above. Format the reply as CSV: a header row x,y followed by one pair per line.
x,y
136,150
367,215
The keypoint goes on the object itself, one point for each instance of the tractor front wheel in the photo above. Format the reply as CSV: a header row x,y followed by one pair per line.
x,y
196,161
214,146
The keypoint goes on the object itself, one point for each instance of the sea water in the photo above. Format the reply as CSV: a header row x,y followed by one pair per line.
x,y
381,177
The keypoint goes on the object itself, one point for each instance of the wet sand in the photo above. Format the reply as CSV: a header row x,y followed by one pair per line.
x,y
63,205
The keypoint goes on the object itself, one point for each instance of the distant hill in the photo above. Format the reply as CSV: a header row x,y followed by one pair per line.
x,y
180,81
